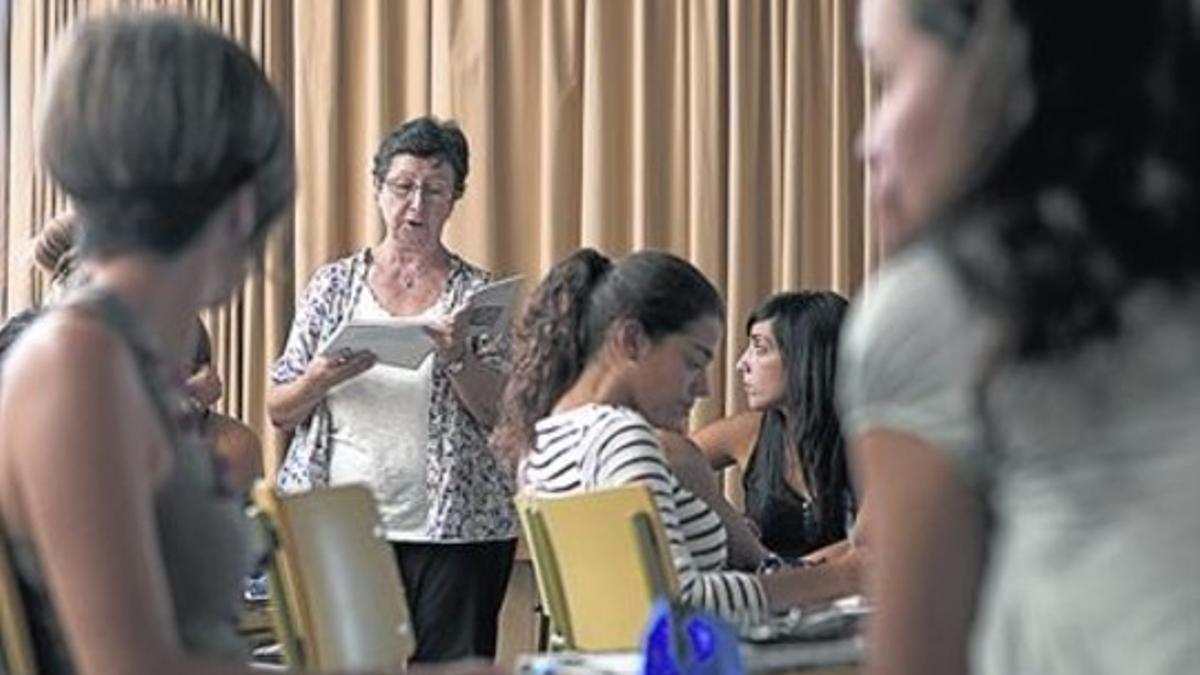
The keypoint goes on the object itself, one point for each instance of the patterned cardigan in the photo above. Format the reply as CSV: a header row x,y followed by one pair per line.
x,y
470,489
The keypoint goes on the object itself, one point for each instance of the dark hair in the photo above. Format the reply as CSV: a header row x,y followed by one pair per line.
x,y
15,327
203,354
152,122
1098,192
568,316
425,137
806,327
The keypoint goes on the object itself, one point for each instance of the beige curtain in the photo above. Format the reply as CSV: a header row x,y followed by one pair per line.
x,y
5,41
718,129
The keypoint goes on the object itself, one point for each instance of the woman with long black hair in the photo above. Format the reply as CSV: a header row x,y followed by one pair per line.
x,y
799,502
789,445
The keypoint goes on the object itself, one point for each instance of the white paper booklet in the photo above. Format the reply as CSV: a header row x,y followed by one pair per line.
x,y
403,341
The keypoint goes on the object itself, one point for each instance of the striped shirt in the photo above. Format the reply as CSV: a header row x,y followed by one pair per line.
x,y
597,446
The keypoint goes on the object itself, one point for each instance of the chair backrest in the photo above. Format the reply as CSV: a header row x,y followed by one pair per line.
x,y
601,559
336,585
18,656
545,570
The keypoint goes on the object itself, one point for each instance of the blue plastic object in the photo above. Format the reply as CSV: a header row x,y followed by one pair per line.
x,y
684,642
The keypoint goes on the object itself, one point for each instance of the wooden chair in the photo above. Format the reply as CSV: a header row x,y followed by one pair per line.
x,y
601,559
336,594
17,643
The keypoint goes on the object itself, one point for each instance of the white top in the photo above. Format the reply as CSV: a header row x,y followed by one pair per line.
x,y
1091,468
380,433
595,446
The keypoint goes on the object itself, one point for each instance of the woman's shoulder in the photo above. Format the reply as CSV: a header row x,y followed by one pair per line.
x,y
65,340
598,419
69,363
339,268
619,418
915,291
603,427
333,280
915,314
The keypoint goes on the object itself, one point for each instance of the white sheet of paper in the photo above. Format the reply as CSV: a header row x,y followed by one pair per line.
x,y
403,341
395,342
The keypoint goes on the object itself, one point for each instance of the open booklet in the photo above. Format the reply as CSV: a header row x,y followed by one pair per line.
x,y
403,342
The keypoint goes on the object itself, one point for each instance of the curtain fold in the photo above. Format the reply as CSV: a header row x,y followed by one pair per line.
x,y
5,94
720,130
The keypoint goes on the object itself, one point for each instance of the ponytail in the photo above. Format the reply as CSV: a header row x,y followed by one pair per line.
x,y
550,347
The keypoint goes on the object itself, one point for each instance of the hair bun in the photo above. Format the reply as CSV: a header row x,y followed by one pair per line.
x,y
55,246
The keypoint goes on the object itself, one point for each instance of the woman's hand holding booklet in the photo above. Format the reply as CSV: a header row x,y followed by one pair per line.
x,y
406,341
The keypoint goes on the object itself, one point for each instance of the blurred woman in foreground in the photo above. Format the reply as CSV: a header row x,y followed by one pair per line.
x,y
1020,387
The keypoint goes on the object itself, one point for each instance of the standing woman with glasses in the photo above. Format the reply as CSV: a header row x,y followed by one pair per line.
x,y
417,437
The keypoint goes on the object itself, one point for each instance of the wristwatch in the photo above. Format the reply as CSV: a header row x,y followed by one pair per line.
x,y
770,564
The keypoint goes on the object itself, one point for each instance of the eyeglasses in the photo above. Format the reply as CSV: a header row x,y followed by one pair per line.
x,y
434,193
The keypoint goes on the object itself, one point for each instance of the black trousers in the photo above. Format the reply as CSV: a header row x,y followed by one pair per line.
x,y
454,595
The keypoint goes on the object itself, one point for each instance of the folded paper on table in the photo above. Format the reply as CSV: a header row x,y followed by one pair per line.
x,y
404,342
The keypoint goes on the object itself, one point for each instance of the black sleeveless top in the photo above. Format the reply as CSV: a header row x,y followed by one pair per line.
x,y
786,520
206,541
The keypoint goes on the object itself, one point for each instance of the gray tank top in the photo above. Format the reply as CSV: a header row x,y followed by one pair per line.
x,y
206,540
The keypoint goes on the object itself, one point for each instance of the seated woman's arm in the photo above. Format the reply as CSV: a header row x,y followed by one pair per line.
x,y
834,551
633,454
925,599
833,571
239,449
636,456
800,586
852,548
696,474
729,440
830,572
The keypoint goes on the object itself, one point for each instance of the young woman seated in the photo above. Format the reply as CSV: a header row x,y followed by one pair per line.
x,y
789,446
237,446
606,352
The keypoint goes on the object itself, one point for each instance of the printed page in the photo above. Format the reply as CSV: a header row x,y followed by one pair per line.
x,y
490,308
